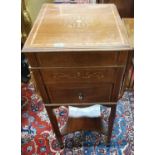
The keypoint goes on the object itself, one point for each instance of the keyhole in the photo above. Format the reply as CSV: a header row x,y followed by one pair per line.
x,y
81,97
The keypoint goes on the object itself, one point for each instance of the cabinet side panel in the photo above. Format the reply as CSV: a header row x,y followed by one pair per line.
x,y
40,86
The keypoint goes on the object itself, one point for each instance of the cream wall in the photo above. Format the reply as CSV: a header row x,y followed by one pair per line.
x,y
33,7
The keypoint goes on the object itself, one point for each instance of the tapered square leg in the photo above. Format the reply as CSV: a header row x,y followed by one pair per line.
x,y
54,124
111,123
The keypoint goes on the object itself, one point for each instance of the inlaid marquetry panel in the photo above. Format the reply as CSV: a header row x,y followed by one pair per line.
x,y
78,75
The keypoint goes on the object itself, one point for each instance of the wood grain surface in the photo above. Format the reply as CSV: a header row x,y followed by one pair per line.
x,y
78,54
75,27
129,25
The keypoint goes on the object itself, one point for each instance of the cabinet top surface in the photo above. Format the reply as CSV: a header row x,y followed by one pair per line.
x,y
77,27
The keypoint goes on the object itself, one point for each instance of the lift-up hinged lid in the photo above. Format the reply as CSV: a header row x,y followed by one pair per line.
x,y
77,27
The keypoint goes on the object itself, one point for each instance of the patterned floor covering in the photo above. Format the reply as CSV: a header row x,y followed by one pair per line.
x,y
38,137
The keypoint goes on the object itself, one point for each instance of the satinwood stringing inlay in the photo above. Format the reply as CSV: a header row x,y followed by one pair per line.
x,y
77,26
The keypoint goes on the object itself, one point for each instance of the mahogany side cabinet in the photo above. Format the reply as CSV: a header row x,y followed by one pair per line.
x,y
78,54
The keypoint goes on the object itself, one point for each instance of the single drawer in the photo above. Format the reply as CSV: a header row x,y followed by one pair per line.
x,y
69,75
76,59
80,92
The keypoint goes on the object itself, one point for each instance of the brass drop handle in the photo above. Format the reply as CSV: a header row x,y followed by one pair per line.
x,y
81,96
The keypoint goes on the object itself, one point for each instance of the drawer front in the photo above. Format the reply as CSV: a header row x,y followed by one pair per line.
x,y
77,59
79,75
80,93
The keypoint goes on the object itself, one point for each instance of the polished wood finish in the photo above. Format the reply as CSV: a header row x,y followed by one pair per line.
x,y
41,88
80,92
69,59
125,7
70,80
54,124
128,80
109,104
78,59
86,75
129,25
79,56
75,28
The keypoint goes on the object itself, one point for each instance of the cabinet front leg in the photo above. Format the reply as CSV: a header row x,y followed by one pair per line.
x,y
54,123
